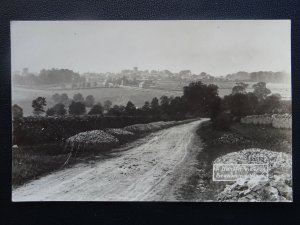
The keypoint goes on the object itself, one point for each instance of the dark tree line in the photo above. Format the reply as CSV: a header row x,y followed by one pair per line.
x,y
241,103
260,76
52,76
198,100
260,101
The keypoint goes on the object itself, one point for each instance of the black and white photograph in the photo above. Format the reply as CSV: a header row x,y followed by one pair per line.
x,y
151,110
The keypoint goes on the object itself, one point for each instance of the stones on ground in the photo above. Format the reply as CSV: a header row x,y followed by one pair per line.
x,y
121,134
230,138
112,137
92,139
277,188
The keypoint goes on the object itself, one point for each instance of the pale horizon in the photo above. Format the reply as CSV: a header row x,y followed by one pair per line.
x,y
215,47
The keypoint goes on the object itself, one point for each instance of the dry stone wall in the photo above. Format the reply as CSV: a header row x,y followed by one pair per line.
x,y
276,120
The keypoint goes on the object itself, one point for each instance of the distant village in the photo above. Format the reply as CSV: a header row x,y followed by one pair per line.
x,y
158,79
144,78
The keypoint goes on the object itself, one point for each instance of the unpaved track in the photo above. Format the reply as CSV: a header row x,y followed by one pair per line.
x,y
142,173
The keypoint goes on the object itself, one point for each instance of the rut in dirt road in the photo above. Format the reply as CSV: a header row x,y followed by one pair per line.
x,y
141,173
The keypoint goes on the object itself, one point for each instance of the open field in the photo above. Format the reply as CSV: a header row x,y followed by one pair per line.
x,y
24,96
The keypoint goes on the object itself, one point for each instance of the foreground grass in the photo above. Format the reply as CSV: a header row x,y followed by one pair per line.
x,y
215,143
32,162
27,165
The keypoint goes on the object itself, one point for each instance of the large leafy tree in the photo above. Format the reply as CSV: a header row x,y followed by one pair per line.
x,y
240,88
252,103
116,110
38,105
107,104
177,107
130,109
17,112
50,112
261,91
78,98
64,99
89,100
271,104
97,109
59,109
165,104
240,104
146,110
56,98
155,109
77,108
200,98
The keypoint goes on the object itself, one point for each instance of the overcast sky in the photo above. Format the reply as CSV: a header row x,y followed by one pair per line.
x,y
216,47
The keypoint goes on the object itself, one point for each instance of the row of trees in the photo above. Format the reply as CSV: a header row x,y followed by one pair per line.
x,y
241,103
260,76
46,77
88,101
198,99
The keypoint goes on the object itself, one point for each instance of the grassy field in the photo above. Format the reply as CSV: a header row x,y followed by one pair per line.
x,y
24,96
238,137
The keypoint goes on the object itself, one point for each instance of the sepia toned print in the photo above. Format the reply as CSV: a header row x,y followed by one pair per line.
x,y
151,111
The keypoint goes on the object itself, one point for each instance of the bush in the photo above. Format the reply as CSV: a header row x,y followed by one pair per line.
x,y
96,110
77,108
57,109
50,112
38,105
89,101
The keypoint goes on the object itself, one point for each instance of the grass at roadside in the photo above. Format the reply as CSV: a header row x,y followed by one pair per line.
x,y
215,143
34,161
29,164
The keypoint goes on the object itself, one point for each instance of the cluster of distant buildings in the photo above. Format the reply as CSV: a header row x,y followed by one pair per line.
x,y
144,78
139,78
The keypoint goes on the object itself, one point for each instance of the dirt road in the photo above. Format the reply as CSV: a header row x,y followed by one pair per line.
x,y
150,171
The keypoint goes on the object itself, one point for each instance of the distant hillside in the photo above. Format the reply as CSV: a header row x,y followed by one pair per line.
x,y
261,76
